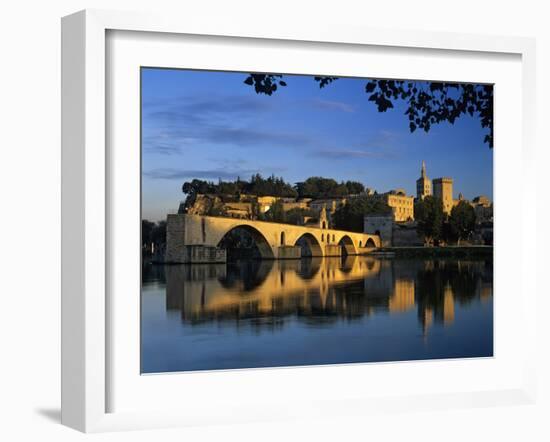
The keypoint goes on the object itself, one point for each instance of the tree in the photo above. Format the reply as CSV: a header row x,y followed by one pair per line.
x,y
275,213
272,186
429,216
428,102
158,235
320,187
296,215
354,187
152,233
351,215
462,220
146,233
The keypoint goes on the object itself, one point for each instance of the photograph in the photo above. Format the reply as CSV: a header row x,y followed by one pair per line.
x,y
303,220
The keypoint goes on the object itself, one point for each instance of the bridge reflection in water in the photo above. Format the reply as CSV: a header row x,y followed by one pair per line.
x,y
314,311
321,289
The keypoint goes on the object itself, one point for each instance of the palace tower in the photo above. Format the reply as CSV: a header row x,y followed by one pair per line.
x,y
423,184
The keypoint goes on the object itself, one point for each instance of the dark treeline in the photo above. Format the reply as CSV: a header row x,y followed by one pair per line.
x,y
436,227
153,236
351,215
313,187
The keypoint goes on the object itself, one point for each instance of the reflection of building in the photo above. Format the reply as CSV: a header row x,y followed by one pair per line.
x,y
269,289
325,289
448,305
403,295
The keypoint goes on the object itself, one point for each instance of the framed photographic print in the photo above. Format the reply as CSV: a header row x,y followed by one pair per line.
x,y
255,210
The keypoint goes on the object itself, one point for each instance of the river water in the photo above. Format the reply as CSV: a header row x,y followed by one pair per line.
x,y
314,311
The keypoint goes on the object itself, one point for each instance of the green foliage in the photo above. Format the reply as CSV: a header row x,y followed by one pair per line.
x,y
350,216
275,214
146,231
215,210
319,187
429,216
272,186
152,233
314,187
428,102
462,220
295,216
355,187
257,185
265,83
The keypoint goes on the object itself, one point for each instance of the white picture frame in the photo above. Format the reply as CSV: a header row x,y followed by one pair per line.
x,y
87,355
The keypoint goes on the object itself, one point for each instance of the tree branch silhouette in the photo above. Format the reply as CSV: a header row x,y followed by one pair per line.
x,y
428,102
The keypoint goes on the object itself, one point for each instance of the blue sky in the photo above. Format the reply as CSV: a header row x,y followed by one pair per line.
x,y
210,125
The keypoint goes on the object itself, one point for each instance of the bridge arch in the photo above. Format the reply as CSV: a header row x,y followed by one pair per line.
x,y
309,244
347,245
260,241
370,244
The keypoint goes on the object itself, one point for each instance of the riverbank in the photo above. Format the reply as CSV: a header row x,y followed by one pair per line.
x,y
436,252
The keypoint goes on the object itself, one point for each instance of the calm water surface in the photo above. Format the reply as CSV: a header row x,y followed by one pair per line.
x,y
315,311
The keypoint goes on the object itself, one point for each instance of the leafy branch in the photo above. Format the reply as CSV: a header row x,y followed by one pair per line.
x,y
428,102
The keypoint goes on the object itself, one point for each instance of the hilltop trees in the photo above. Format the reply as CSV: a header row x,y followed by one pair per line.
x,y
319,187
269,187
273,186
313,187
259,186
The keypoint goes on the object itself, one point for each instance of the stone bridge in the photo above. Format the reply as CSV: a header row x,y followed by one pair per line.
x,y
274,240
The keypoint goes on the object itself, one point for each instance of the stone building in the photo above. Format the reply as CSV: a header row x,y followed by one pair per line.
x,y
443,189
265,203
331,204
402,205
483,209
423,184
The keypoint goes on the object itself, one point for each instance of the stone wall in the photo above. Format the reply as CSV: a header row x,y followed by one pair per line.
x,y
199,254
289,252
406,236
333,250
175,238
380,225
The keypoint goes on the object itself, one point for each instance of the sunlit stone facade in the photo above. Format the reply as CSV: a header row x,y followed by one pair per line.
x,y
443,189
423,184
